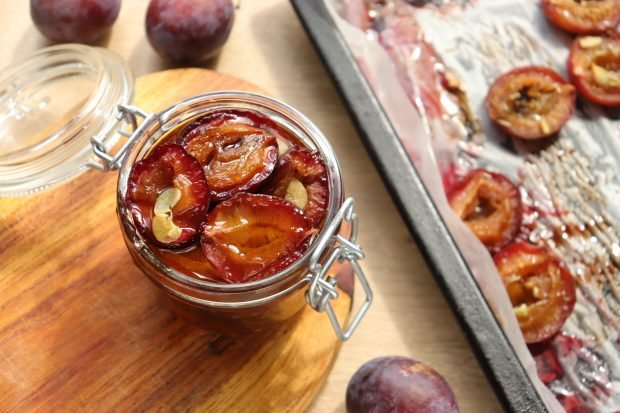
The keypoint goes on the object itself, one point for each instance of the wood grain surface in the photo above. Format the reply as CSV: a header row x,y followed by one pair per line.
x,y
269,48
83,330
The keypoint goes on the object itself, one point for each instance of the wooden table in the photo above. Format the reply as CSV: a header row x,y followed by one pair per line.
x,y
268,47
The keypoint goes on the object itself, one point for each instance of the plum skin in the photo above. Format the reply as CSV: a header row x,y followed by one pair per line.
x,y
398,385
189,30
80,21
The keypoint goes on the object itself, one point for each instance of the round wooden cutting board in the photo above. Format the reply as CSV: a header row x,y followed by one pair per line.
x,y
81,329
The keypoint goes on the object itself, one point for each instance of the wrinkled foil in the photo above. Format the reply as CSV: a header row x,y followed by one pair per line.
x,y
430,64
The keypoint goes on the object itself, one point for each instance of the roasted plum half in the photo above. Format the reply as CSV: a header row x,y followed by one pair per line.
x,y
191,262
583,17
216,119
252,236
530,102
594,68
168,197
399,385
490,205
541,289
301,178
236,157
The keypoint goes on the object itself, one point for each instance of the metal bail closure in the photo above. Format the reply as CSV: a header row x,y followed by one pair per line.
x,y
127,121
323,289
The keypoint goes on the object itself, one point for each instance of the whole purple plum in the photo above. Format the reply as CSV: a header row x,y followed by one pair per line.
x,y
399,385
79,21
189,30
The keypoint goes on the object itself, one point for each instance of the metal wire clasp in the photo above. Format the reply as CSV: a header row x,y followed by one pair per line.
x,y
129,116
322,289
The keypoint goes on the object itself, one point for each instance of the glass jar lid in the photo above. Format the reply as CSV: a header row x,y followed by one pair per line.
x,y
51,104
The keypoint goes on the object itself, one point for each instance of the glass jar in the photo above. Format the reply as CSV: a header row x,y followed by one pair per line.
x,y
258,305
45,139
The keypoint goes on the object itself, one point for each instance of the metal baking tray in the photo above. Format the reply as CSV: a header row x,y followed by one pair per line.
x,y
495,354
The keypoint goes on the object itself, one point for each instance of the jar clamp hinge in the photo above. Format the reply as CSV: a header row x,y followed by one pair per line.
x,y
322,289
128,115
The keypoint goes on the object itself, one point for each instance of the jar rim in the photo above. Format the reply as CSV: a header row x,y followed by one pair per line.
x,y
169,118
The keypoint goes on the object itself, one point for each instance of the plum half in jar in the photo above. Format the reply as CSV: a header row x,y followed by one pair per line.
x,y
301,177
237,157
530,102
490,205
168,196
251,236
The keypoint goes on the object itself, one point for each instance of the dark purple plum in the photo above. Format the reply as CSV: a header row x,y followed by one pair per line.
x,y
189,30
75,21
399,385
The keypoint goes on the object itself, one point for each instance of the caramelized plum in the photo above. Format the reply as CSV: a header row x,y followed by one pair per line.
x,y
191,262
530,102
216,119
583,17
490,205
594,68
189,30
399,385
251,236
301,177
168,196
541,289
236,157
79,21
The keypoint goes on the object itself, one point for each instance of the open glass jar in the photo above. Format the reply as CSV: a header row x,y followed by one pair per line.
x,y
248,306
